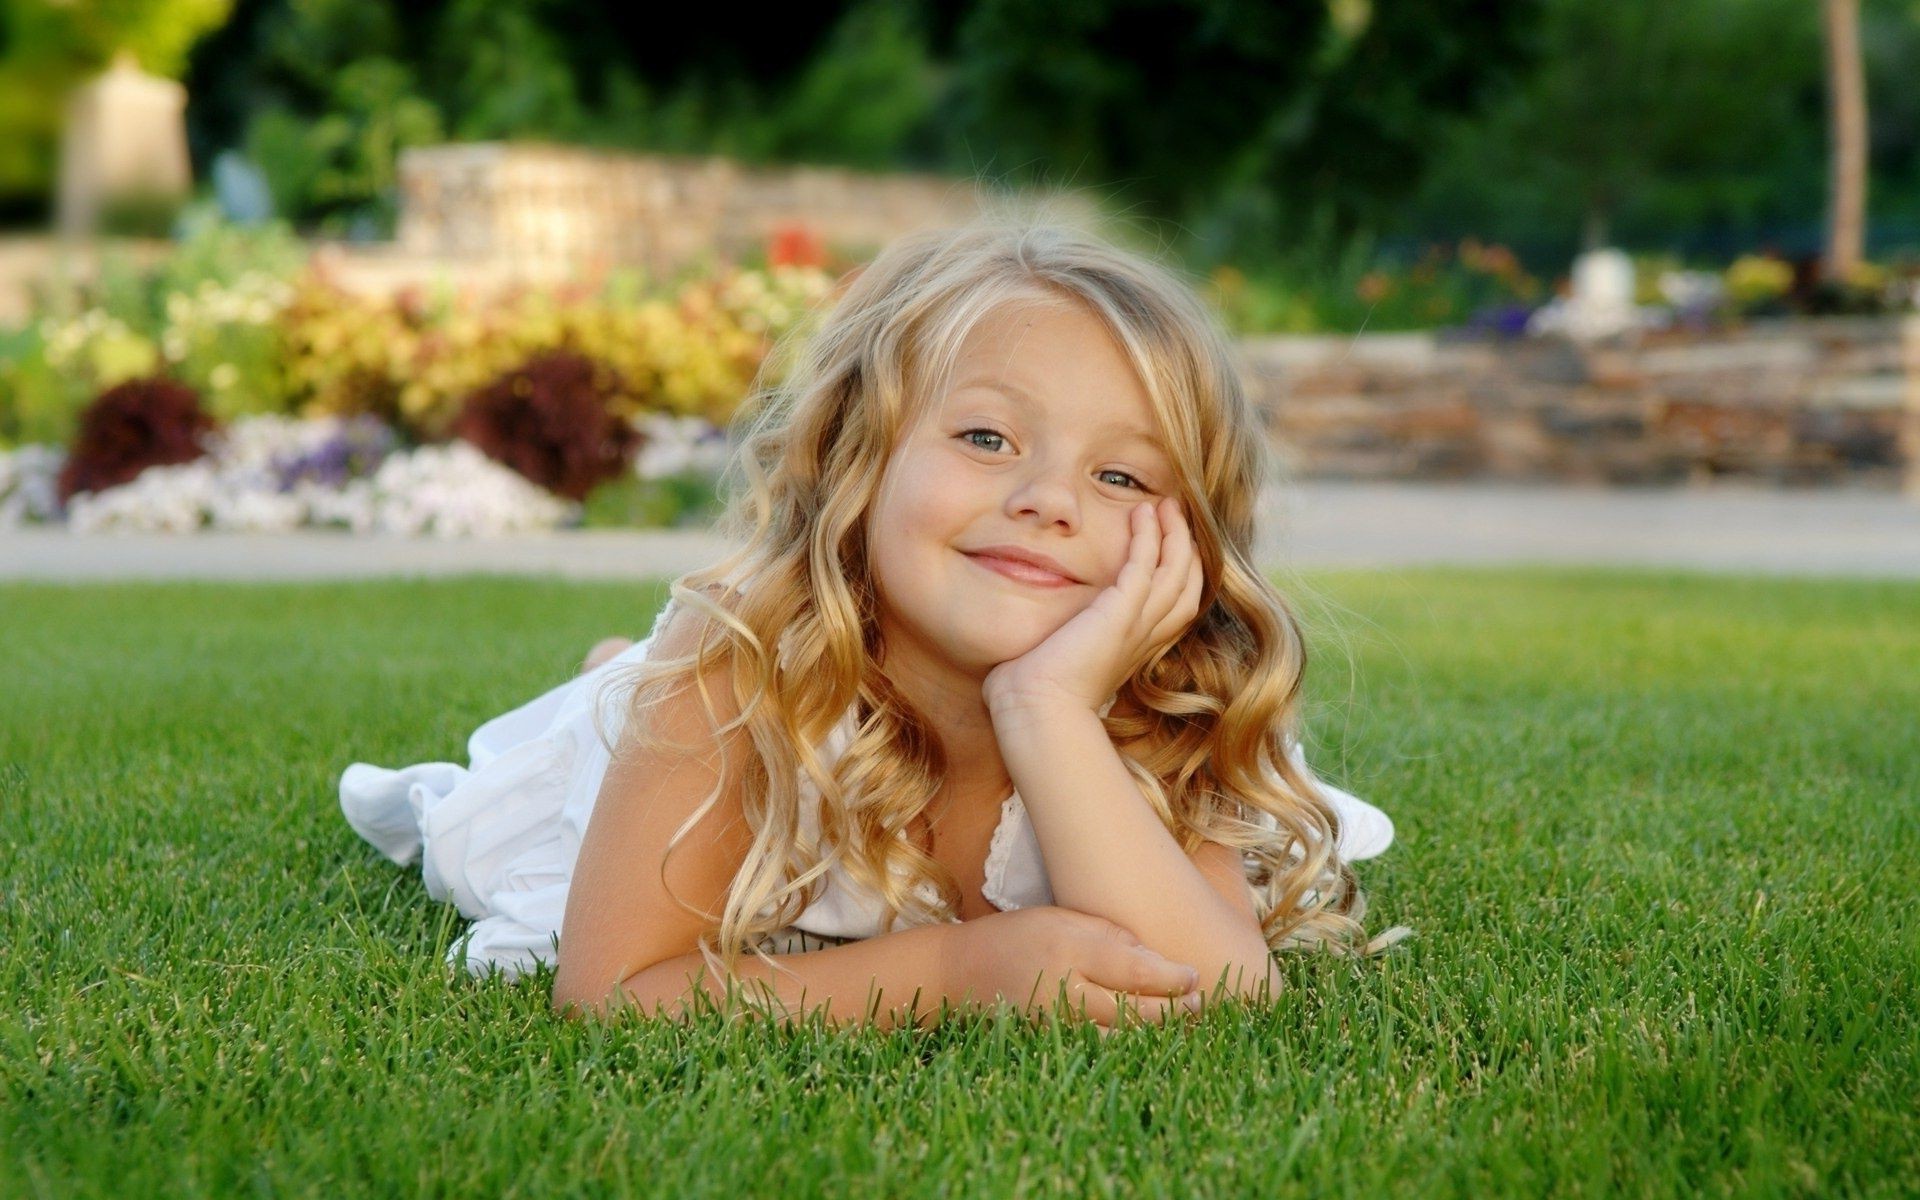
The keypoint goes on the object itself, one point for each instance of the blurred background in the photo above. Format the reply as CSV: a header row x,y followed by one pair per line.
x,y
490,265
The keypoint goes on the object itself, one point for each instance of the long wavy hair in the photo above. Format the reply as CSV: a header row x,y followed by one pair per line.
x,y
1208,725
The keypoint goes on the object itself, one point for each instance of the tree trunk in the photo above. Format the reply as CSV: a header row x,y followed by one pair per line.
x,y
1847,112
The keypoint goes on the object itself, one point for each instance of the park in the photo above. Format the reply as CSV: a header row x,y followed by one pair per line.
x,y
362,365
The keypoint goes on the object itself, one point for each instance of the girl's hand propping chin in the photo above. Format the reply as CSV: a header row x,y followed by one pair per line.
x,y
1147,608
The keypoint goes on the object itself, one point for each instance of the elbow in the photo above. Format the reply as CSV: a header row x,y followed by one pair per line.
x,y
573,999
566,998
648,989
566,1003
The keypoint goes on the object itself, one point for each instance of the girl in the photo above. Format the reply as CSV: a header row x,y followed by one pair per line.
x,y
991,702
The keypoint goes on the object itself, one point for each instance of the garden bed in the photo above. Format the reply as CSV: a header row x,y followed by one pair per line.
x,y
236,384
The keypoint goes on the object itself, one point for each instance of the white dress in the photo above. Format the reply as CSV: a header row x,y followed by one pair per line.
x,y
499,836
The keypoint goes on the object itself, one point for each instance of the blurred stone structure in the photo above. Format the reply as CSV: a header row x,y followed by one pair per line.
x,y
1825,401
124,139
535,209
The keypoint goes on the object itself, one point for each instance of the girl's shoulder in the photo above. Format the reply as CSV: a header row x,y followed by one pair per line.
x,y
679,628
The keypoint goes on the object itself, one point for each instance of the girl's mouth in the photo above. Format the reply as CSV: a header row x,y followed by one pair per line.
x,y
1021,572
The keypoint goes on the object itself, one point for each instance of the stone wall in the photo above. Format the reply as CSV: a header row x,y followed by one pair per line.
x,y
1829,401
535,207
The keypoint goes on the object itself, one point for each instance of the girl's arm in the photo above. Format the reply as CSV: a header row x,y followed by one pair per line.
x,y
1106,851
890,980
1031,957
626,935
1108,854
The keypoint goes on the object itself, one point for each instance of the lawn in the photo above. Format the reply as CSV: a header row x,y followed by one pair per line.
x,y
1656,833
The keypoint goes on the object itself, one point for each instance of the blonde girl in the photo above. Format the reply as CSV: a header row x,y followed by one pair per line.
x,y
990,704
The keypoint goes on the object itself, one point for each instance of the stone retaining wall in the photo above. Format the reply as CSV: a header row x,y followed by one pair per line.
x,y
1827,401
530,204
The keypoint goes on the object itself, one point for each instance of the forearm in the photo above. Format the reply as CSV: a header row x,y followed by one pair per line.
x,y
1108,854
890,980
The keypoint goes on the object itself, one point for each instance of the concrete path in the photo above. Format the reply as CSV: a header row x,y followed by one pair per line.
x,y
1306,526
1719,528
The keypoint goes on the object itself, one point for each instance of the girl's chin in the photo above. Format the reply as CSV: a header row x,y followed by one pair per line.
x,y
1009,640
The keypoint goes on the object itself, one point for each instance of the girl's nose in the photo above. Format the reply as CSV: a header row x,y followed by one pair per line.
x,y
1047,495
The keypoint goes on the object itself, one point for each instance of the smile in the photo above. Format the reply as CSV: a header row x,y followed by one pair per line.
x,y
1021,572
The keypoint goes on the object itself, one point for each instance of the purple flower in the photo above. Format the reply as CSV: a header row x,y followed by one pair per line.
x,y
1500,320
354,450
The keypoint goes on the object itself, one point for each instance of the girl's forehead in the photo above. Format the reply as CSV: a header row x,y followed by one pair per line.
x,y
1029,328
1020,350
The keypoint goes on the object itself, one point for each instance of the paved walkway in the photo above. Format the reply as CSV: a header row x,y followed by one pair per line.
x,y
1307,526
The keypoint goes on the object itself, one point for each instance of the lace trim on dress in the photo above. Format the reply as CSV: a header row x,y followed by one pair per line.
x,y
1000,849
994,889
794,940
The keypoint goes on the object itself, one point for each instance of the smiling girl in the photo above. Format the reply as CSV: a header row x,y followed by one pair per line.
x,y
991,703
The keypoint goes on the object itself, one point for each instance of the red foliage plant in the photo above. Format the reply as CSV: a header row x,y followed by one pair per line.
x,y
550,420
141,423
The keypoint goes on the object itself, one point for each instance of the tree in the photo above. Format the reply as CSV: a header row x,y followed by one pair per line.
x,y
1181,107
1847,109
47,48
1334,108
1659,123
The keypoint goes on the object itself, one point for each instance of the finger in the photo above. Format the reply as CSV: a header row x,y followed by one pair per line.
x,y
1143,553
1185,607
1151,598
1085,1001
1155,1010
1141,969
1170,580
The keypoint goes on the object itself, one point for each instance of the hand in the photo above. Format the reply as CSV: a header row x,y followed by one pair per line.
x,y
1147,608
1036,957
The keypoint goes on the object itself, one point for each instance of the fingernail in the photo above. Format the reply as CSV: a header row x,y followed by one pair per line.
x,y
1192,1001
1193,978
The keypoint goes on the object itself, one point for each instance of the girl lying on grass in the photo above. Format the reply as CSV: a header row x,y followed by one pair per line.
x,y
991,703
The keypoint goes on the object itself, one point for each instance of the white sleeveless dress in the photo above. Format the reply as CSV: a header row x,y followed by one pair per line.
x,y
499,836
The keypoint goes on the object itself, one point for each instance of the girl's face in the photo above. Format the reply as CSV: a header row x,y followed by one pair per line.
x,y
1043,442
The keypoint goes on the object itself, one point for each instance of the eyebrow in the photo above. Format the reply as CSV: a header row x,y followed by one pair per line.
x,y
1014,391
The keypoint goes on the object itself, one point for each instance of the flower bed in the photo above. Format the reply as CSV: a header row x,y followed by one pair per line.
x,y
274,473
1478,288
238,387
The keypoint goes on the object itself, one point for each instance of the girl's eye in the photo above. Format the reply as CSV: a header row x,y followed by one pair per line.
x,y
1131,481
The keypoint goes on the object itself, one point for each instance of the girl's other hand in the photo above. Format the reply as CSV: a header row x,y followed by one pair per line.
x,y
1149,607
1025,956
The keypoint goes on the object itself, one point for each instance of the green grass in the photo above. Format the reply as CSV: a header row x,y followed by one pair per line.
x,y
1656,831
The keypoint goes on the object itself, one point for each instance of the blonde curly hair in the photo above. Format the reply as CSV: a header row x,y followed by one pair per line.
x,y
1210,725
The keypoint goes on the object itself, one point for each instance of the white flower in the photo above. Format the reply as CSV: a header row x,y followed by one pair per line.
x,y
1692,289
258,511
676,444
29,484
456,491
169,499
446,491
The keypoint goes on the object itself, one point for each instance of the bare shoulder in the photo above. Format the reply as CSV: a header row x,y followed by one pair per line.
x,y
686,628
686,625
628,904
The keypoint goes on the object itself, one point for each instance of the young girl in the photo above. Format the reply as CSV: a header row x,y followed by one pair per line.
x,y
992,701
